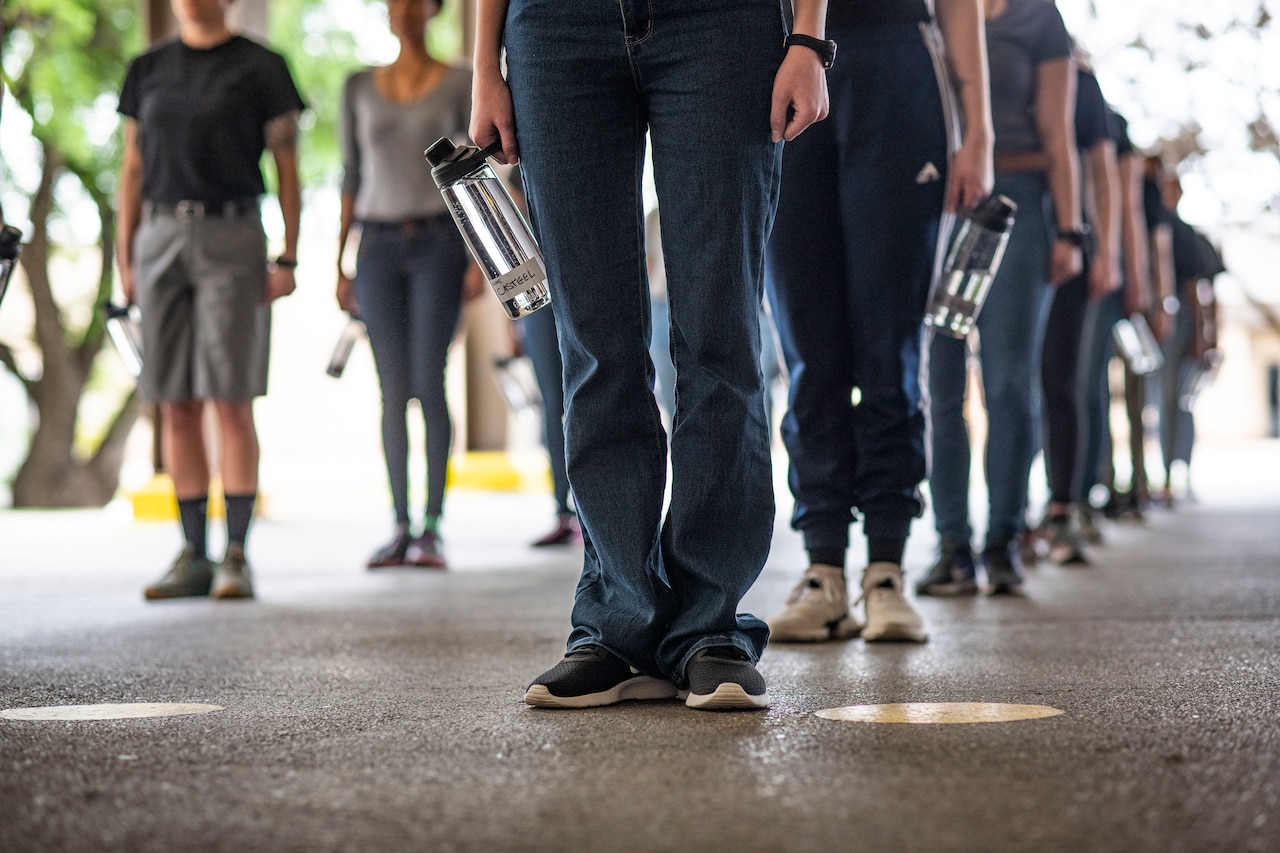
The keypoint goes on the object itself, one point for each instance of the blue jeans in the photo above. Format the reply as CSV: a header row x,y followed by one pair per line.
x,y
848,270
409,286
541,344
587,80
1010,331
1095,388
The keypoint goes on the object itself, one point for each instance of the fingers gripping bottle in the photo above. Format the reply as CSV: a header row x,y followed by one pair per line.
x,y
972,261
494,230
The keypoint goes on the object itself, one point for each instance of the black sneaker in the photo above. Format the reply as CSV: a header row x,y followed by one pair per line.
x,y
1004,569
722,678
953,574
189,576
591,676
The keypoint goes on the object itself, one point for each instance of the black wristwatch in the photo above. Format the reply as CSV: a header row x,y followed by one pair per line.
x,y
284,263
1074,236
826,50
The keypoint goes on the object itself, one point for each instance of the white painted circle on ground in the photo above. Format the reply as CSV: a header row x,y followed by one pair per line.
x,y
131,711
938,713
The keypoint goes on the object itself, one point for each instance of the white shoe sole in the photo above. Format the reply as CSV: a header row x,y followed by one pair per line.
x,y
640,687
895,632
842,629
727,697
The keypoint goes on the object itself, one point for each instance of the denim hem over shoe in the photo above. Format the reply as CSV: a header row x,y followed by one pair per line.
x,y
591,676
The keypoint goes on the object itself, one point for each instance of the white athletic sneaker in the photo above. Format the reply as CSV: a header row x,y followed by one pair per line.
x,y
817,609
890,617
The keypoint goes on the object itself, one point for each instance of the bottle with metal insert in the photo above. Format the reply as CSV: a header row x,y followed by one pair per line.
x,y
495,231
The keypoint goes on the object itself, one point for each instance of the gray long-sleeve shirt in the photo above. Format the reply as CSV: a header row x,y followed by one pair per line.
x,y
382,144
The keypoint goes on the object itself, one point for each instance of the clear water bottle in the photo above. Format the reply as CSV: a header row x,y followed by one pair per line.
x,y
1137,345
495,231
10,246
352,332
971,265
124,326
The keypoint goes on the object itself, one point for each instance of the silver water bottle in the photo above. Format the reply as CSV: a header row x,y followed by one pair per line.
x,y
353,331
10,246
494,230
972,262
125,328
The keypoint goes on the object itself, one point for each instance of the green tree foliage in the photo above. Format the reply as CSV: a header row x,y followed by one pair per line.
x,y
62,63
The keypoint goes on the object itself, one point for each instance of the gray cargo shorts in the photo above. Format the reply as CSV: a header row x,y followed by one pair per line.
x,y
201,288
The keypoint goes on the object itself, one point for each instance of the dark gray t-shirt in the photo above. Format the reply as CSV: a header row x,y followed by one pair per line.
x,y
382,144
1028,34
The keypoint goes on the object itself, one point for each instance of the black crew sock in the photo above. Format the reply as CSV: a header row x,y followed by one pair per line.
x,y
239,514
194,515
885,549
827,557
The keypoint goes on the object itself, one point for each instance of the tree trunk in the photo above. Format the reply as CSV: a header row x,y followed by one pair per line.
x,y
51,475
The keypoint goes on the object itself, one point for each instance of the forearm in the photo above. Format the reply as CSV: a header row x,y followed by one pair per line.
x,y
128,200
1133,233
1106,197
490,21
810,17
290,194
964,36
345,219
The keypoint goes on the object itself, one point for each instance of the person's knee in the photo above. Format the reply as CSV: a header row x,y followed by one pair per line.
x,y
235,419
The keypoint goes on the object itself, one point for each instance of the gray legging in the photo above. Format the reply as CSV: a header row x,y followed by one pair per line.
x,y
409,286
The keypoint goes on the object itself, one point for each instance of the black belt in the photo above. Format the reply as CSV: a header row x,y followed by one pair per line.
x,y
188,210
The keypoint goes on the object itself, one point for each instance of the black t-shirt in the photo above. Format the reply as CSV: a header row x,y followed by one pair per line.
x,y
201,117
1118,130
1191,261
861,13
1091,111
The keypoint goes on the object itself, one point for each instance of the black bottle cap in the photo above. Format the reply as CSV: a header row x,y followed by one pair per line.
x,y
995,212
10,240
450,162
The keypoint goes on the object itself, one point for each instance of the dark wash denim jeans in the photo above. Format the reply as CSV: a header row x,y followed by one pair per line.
x,y
1010,332
409,286
848,270
588,78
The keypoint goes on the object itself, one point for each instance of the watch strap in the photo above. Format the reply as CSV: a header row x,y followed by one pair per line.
x,y
825,48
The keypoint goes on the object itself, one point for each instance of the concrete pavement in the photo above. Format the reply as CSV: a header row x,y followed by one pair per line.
x,y
381,711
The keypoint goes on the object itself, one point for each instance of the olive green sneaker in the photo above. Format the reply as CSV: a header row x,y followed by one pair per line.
x,y
231,578
188,577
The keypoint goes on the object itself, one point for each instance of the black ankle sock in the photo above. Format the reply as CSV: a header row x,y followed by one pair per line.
x,y
884,549
827,556
194,514
239,514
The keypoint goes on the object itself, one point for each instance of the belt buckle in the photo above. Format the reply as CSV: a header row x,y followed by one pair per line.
x,y
186,211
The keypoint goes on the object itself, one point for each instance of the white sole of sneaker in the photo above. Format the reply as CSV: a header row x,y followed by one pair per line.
x,y
894,632
844,629
640,687
727,697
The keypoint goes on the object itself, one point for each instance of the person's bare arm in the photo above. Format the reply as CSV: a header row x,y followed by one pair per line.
x,y
800,87
492,114
1104,184
128,207
1055,119
1133,236
282,142
971,174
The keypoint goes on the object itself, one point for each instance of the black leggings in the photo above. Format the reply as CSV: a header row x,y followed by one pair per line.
x,y
1059,365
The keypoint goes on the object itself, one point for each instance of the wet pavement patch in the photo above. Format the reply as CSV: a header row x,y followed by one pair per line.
x,y
932,713
131,711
